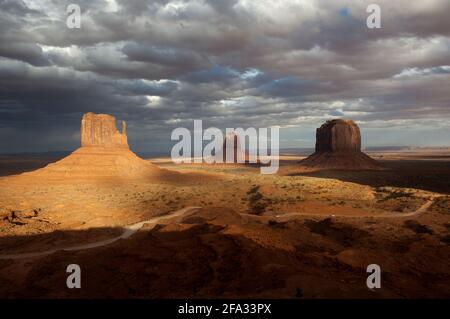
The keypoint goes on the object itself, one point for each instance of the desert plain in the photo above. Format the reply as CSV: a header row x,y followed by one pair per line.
x,y
226,231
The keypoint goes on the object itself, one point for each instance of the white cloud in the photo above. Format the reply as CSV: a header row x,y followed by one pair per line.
x,y
414,72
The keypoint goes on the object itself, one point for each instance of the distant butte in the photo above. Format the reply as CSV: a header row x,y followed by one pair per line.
x,y
338,146
233,150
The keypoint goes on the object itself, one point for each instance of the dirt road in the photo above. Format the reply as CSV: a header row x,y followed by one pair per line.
x,y
129,230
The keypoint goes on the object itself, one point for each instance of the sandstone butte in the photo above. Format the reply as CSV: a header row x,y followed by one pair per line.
x,y
99,130
104,152
338,146
232,145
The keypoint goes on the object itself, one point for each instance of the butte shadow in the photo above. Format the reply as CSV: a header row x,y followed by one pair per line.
x,y
217,253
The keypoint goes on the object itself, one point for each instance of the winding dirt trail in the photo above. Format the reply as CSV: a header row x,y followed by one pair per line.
x,y
422,209
130,230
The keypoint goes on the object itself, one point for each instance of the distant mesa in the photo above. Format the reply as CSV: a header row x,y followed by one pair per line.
x,y
233,151
338,146
104,152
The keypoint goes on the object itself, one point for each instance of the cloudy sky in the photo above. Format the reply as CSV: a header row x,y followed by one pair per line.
x,y
159,64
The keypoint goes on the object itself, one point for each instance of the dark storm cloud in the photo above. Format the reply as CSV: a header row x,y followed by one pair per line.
x,y
160,64
16,8
164,56
214,74
28,52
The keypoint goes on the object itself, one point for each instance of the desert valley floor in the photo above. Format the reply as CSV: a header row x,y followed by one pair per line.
x,y
228,231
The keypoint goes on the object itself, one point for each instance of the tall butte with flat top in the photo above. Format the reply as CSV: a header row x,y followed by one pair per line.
x,y
104,152
338,146
99,130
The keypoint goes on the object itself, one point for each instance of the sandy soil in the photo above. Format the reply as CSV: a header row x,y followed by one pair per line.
x,y
295,234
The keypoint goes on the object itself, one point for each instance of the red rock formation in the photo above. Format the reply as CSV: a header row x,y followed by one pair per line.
x,y
104,152
99,130
338,146
232,144
338,136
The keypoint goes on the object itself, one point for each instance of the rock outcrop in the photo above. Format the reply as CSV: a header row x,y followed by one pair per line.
x,y
232,146
338,136
99,130
338,146
104,152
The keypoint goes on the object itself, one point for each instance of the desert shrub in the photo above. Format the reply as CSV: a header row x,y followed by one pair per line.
x,y
257,202
417,227
395,195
